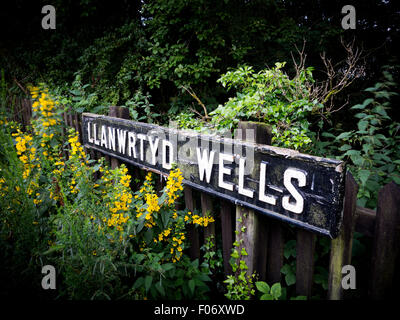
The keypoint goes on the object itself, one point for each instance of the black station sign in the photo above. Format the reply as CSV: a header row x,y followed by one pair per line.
x,y
304,190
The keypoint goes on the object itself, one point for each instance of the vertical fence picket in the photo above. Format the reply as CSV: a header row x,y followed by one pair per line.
x,y
250,226
386,242
276,243
341,247
227,216
117,112
304,262
206,207
193,234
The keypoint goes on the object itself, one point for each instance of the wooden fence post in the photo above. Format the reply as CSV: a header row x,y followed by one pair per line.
x,y
341,247
276,244
386,242
206,206
193,234
255,231
227,216
305,246
117,112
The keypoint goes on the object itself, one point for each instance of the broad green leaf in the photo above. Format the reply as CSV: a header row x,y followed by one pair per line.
x,y
362,125
266,296
364,175
147,282
263,286
192,285
344,135
290,278
276,290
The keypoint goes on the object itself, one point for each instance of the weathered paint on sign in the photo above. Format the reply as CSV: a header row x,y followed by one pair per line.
x,y
304,190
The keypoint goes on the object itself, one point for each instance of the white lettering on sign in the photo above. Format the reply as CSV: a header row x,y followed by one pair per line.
x,y
141,137
111,138
262,196
90,139
223,170
103,140
153,149
167,164
131,144
205,163
121,136
300,176
242,190
95,135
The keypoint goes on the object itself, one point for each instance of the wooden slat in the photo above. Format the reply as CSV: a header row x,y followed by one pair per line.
x,y
207,207
276,244
365,222
227,216
341,247
386,242
117,112
251,227
305,246
193,235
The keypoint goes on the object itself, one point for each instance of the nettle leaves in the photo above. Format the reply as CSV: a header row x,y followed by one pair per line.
x,y
272,97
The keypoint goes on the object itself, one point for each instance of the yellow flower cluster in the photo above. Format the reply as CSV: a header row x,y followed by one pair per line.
x,y
151,201
163,235
174,184
4,189
26,152
177,243
76,147
116,220
119,201
196,219
45,106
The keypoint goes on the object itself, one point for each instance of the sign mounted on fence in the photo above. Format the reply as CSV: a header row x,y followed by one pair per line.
x,y
304,190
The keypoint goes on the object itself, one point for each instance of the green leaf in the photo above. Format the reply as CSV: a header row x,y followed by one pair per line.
x,y
290,278
344,135
160,288
345,147
276,290
138,283
266,296
192,285
362,125
364,175
263,286
147,282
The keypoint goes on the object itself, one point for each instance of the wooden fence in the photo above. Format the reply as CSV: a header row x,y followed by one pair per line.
x,y
264,237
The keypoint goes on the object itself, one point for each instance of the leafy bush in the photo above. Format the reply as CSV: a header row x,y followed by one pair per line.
x,y
373,149
271,97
